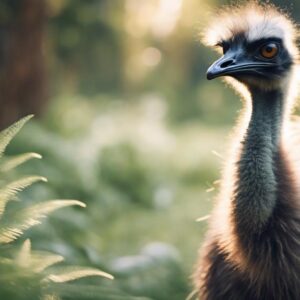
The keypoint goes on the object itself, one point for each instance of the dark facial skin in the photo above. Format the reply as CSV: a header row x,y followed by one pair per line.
x,y
265,58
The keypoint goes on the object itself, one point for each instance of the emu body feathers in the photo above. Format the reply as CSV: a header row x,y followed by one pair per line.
x,y
252,249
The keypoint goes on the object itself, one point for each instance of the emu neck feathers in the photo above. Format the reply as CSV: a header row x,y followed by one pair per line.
x,y
256,186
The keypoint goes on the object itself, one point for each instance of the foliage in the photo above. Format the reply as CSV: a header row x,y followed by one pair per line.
x,y
126,48
136,199
120,169
27,274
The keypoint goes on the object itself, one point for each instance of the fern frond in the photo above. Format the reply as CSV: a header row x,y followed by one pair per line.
x,y
17,160
73,273
28,217
41,261
37,261
8,134
12,188
25,275
23,258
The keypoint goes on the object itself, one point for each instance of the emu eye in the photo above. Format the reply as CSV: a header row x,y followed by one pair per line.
x,y
269,50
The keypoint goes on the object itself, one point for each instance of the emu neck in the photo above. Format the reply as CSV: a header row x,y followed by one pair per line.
x,y
267,116
256,186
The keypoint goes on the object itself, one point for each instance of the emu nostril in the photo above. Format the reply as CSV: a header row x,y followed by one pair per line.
x,y
227,63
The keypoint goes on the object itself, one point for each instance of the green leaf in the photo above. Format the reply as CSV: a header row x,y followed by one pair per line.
x,y
73,273
21,220
23,258
12,188
37,261
8,134
17,160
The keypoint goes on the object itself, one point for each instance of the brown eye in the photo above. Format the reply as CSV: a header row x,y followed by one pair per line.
x,y
269,50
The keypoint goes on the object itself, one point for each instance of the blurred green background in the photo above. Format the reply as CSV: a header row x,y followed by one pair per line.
x,y
126,122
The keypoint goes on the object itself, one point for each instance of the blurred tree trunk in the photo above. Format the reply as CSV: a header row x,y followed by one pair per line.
x,y
22,69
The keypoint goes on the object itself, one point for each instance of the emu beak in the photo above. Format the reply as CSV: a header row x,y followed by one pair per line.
x,y
230,64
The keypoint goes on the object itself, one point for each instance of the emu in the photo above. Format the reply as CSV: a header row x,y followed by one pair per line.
x,y
252,248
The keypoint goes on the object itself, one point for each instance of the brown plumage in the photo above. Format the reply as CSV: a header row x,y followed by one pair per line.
x,y
252,248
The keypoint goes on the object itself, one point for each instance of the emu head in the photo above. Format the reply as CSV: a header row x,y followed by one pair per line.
x,y
258,43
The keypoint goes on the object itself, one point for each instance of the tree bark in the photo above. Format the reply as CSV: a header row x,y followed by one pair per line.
x,y
22,68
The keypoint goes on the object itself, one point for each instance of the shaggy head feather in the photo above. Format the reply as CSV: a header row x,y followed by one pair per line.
x,y
253,21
